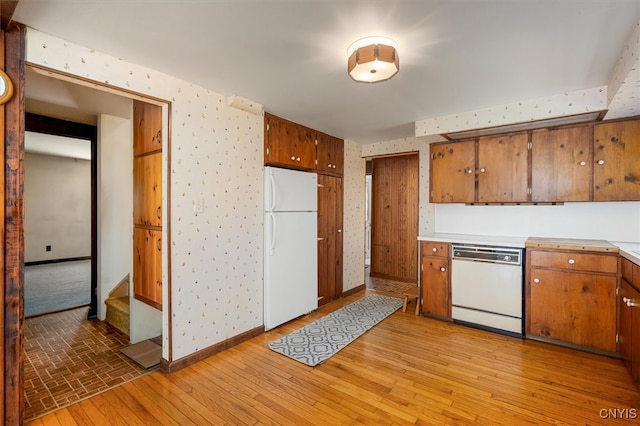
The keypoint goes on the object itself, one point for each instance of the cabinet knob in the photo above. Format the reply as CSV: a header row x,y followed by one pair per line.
x,y
339,230
329,165
583,163
601,162
624,299
298,159
536,280
572,262
631,303
442,269
468,170
334,166
293,157
482,170
434,249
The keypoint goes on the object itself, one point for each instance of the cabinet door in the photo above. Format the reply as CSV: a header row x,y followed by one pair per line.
x,y
329,238
578,308
289,144
147,190
616,155
634,351
624,326
147,266
147,128
453,172
436,289
330,152
503,169
561,164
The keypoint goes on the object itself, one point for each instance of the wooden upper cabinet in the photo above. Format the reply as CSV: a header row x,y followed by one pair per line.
x,y
561,164
289,144
503,168
147,128
147,187
453,172
330,152
616,156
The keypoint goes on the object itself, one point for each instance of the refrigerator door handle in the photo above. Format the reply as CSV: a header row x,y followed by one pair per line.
x,y
272,244
273,191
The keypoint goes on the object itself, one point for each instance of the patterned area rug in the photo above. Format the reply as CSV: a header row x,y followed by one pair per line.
x,y
323,338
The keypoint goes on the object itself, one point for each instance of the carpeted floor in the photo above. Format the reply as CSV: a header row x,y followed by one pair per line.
x,y
54,287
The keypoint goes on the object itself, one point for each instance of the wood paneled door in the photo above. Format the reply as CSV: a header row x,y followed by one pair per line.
x,y
394,217
147,203
329,238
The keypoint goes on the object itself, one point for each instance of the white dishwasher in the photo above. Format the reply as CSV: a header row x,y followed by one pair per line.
x,y
486,287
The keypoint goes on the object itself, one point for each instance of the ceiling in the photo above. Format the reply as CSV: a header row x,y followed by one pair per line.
x,y
290,55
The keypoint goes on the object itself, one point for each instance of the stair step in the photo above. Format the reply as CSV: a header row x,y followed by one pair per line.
x,y
118,313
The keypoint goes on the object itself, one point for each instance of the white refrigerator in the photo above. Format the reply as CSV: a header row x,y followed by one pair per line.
x,y
290,245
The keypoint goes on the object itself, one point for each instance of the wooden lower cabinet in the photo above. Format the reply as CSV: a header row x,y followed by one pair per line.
x,y
435,279
629,319
329,238
147,266
571,298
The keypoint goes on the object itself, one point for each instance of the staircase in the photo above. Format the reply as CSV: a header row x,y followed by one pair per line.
x,y
118,306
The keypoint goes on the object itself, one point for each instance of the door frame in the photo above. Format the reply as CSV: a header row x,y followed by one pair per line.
x,y
54,126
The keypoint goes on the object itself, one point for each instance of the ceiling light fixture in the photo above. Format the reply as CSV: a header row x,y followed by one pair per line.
x,y
373,59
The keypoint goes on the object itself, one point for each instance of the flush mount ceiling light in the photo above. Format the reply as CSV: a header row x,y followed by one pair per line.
x,y
373,59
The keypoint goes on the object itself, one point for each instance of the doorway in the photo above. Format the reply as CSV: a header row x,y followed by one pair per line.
x,y
60,215
394,217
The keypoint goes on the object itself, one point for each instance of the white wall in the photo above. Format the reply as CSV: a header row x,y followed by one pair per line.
x,y
216,156
115,204
603,221
57,197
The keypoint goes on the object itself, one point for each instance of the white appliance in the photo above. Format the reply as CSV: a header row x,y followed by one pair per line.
x,y
290,245
486,287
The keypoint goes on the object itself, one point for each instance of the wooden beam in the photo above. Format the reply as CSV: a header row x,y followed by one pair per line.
x,y
6,12
14,49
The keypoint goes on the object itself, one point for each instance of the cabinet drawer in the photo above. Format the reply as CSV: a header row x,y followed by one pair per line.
x,y
575,261
435,249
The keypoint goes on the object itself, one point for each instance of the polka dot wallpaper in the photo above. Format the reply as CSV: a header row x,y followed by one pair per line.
x,y
216,157
354,216
624,83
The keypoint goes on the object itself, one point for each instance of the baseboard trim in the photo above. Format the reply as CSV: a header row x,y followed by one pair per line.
x,y
354,290
173,366
45,262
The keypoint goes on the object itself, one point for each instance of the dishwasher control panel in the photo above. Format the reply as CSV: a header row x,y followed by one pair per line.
x,y
478,253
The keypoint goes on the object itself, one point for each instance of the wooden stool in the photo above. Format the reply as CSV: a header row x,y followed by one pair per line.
x,y
412,293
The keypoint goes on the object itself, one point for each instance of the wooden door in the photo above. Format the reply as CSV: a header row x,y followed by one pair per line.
x,y
436,289
453,172
289,144
329,238
147,184
147,266
147,128
503,168
394,218
561,164
624,321
616,156
330,152
573,307
147,204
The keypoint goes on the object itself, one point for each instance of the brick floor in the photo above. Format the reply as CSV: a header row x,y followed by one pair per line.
x,y
69,358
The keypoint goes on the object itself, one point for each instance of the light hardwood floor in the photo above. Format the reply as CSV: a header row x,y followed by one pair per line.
x,y
407,370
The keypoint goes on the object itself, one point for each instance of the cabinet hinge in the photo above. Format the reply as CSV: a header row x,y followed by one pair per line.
x,y
529,145
316,161
316,142
267,151
422,268
529,190
617,292
617,338
267,127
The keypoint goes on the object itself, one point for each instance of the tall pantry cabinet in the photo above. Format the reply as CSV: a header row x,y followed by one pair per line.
x,y
147,203
291,145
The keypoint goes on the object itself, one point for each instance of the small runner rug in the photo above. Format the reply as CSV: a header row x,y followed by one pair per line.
x,y
320,340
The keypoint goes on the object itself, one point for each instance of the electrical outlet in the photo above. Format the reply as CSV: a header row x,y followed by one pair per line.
x,y
198,206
